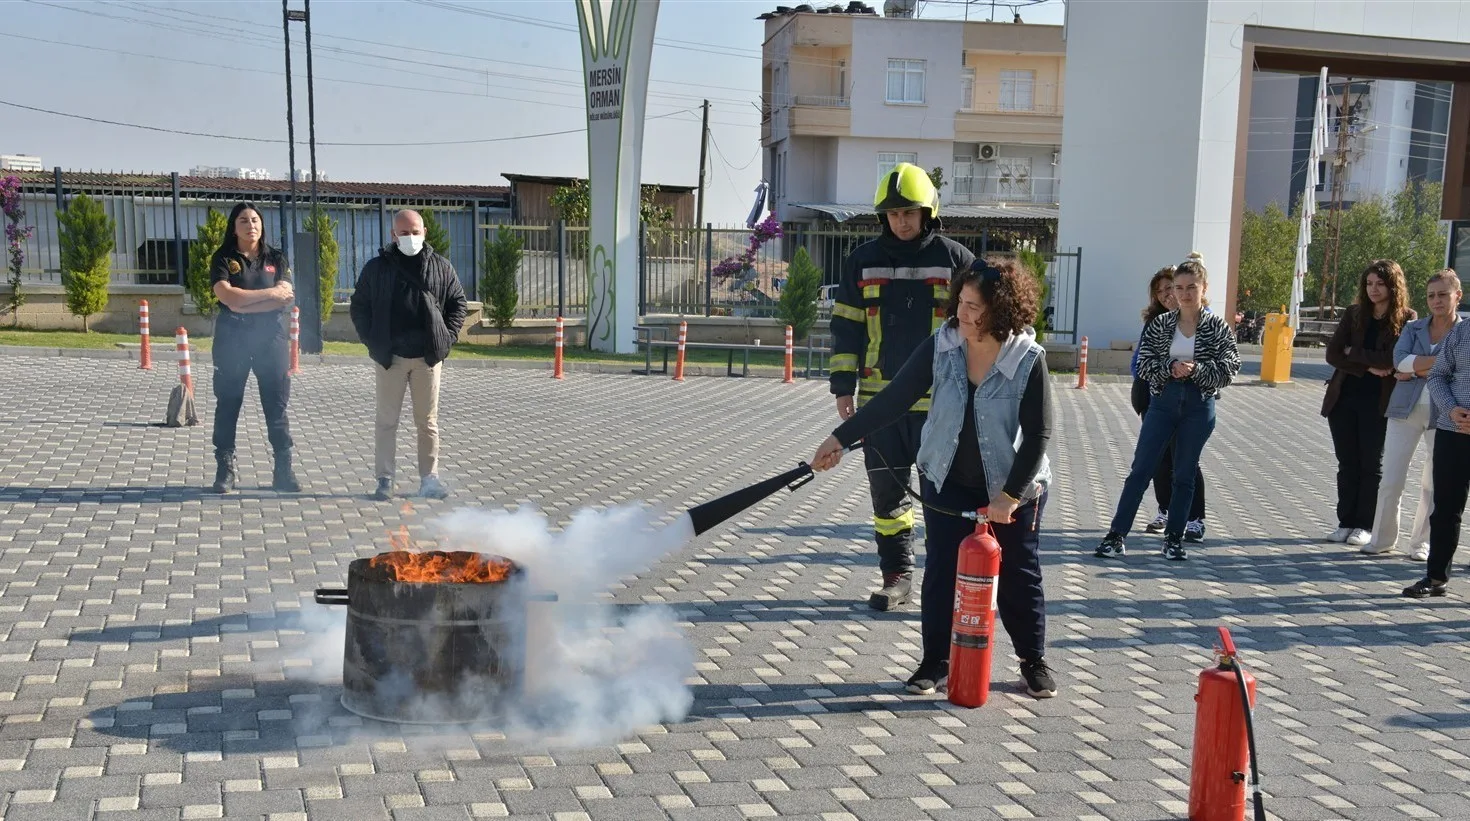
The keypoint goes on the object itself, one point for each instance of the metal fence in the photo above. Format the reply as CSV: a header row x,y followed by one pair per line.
x,y
677,268
154,234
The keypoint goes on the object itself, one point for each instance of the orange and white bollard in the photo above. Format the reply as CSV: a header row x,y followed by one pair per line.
x,y
145,351
181,340
790,369
1082,366
295,341
558,372
679,362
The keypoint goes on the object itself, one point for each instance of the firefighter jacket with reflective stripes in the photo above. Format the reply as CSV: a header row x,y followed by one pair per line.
x,y
891,299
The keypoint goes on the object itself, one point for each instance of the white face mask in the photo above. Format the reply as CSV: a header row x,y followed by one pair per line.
x,y
411,244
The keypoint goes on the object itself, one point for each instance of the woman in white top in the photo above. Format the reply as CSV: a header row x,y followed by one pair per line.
x,y
1411,418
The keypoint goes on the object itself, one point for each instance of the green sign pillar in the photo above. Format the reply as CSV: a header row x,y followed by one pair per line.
x,y
617,46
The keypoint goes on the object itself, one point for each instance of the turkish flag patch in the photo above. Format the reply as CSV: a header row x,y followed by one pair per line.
x,y
270,269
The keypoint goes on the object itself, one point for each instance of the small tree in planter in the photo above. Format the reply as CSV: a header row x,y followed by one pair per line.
x,y
435,234
86,265
15,237
1034,262
328,256
798,304
498,290
210,236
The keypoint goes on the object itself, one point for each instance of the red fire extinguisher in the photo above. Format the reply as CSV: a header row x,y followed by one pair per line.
x,y
1224,740
973,629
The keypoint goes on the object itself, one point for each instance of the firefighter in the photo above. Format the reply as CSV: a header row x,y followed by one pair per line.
x,y
891,299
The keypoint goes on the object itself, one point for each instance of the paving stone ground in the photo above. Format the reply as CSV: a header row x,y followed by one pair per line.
x,y
148,631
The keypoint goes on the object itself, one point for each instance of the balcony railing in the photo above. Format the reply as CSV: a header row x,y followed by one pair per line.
x,y
822,102
962,191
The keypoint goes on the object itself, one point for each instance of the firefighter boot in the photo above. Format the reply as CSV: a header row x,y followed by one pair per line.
x,y
895,592
284,478
225,473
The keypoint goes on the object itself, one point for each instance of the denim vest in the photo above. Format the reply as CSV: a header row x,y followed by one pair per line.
x,y
1413,339
997,410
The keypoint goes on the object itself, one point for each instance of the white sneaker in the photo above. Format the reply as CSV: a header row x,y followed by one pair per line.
x,y
432,488
1420,553
1359,537
1373,548
1340,535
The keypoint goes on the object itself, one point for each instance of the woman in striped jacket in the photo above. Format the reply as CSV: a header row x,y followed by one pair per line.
x,y
1186,355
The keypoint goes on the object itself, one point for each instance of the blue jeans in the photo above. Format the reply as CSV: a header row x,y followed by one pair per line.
x,y
1181,414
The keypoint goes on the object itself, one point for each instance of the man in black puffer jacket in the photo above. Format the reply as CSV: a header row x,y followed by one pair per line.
x,y
408,308
892,297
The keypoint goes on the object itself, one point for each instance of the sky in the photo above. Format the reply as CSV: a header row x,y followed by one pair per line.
x,y
505,74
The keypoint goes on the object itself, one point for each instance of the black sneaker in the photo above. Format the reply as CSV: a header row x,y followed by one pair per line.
x,y
1425,587
1111,547
930,676
1194,531
1037,678
897,587
1159,523
384,491
1174,548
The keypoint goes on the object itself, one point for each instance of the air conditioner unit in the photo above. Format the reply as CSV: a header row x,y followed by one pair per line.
x,y
988,151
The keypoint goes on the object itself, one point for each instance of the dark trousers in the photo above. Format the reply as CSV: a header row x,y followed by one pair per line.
x,y
1451,485
1019,597
1164,474
893,515
1183,415
1358,428
245,345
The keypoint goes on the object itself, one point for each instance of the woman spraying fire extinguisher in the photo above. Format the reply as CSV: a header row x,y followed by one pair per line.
x,y
983,446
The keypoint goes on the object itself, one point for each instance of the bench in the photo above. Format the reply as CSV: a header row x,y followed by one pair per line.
x,y
645,334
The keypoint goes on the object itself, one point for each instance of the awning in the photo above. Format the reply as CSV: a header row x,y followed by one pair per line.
x,y
843,213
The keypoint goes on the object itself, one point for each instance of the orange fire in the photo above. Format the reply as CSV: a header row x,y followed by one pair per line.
x,y
439,567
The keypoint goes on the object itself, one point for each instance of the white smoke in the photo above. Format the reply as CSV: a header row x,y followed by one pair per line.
x,y
591,676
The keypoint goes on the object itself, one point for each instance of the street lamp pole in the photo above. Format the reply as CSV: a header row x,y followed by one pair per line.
x,y
308,298
288,228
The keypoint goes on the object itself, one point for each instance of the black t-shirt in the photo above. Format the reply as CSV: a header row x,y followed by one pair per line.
x,y
968,468
265,271
408,319
1367,385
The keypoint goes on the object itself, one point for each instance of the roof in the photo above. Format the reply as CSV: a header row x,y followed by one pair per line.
x,y
843,213
331,188
560,181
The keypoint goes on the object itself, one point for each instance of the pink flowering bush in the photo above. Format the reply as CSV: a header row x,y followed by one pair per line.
x,y
763,233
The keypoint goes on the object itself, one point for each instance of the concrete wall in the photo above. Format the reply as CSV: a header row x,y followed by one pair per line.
x,y
876,40
857,163
1269,151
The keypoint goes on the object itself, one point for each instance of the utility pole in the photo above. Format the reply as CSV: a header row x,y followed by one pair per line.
x,y
310,107
1332,246
703,161
288,230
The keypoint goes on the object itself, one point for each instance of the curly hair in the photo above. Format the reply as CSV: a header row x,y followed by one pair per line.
x,y
1398,296
1012,297
1155,307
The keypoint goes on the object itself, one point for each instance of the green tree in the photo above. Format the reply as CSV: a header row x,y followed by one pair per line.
x,y
328,256
1034,262
86,265
1267,259
573,203
498,289
798,304
435,233
210,236
15,236
936,176
1403,227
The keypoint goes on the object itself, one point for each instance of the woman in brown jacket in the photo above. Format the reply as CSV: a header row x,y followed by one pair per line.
x,y
1361,351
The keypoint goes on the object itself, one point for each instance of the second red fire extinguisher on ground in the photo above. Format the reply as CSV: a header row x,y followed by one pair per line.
x,y
973,632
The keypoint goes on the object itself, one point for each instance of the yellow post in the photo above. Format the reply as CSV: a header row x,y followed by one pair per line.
x,y
1276,356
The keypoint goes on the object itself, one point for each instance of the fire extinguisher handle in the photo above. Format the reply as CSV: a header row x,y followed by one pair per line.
x,y
1227,644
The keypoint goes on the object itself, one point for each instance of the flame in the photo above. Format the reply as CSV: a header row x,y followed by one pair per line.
x,y
438,567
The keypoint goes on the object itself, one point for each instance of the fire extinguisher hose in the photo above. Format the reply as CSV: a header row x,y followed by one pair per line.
x,y
972,515
1250,723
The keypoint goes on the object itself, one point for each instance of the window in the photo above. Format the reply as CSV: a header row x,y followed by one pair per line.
x,y
905,81
967,89
842,82
888,159
1017,90
964,179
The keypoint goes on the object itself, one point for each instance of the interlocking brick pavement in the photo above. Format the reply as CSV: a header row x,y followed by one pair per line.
x,y
151,635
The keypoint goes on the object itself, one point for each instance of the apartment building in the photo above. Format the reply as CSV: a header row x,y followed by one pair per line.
x,y
847,95
1396,132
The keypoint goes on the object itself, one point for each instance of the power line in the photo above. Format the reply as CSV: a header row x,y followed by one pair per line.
x,y
271,140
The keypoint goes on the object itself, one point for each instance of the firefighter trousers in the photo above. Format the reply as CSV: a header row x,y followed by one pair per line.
x,y
893,513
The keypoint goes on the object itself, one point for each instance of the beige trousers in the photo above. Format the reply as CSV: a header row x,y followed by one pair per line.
x,y
422,382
